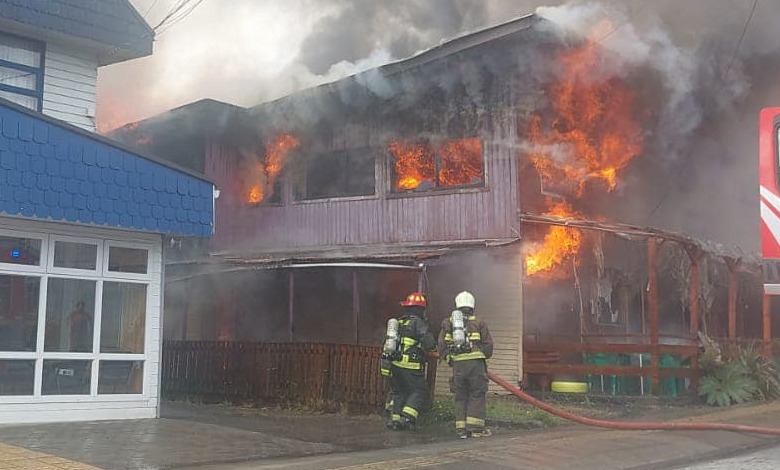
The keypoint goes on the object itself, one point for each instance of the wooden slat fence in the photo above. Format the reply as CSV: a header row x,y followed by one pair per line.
x,y
311,374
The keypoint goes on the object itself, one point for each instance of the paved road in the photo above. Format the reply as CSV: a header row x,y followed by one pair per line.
x,y
768,459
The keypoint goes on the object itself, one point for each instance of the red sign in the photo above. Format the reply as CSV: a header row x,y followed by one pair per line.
x,y
769,125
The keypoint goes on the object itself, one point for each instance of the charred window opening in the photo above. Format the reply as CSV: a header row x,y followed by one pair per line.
x,y
423,166
342,173
263,175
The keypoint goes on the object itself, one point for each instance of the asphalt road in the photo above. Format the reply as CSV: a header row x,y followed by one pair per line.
x,y
767,459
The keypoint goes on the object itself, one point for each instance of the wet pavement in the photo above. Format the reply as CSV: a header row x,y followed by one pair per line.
x,y
192,435
223,437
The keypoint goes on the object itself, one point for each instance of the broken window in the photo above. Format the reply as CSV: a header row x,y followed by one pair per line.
x,y
339,173
422,166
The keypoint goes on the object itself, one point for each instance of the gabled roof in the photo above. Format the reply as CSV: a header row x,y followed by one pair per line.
x,y
113,27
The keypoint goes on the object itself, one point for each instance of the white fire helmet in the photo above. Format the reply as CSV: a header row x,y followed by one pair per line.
x,y
464,299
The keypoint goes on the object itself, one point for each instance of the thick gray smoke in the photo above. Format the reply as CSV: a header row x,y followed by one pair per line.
x,y
715,62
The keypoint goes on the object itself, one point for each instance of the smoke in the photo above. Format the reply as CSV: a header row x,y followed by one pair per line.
x,y
703,71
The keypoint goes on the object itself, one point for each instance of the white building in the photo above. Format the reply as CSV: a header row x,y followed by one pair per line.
x,y
82,221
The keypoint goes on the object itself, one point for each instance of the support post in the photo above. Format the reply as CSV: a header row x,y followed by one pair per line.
x,y
693,306
766,313
356,305
652,301
733,265
290,306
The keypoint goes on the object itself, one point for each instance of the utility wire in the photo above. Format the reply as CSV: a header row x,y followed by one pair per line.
x,y
182,15
177,14
725,77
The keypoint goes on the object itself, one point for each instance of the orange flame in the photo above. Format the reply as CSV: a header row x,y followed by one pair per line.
x,y
461,162
273,162
560,244
591,133
413,163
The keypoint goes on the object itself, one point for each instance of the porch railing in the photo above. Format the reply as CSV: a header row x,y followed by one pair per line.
x,y
302,373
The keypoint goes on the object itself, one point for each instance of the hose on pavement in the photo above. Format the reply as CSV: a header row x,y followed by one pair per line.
x,y
630,425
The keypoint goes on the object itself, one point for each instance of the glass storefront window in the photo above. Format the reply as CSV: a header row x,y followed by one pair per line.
x,y
117,377
66,377
17,377
124,318
18,250
19,297
75,255
70,313
127,260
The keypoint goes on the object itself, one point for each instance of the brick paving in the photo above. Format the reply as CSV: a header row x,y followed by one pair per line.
x,y
17,458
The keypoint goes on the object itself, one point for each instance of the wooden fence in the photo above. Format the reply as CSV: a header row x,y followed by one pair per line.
x,y
311,374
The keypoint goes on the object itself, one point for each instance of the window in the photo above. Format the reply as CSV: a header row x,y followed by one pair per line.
x,y
17,377
120,377
127,260
75,255
18,250
19,312
422,166
66,377
123,318
339,174
21,71
70,313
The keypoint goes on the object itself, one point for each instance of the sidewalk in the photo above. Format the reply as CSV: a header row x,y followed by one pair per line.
x,y
210,438
572,447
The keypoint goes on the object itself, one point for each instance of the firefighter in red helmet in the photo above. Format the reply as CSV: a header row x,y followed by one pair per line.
x,y
406,349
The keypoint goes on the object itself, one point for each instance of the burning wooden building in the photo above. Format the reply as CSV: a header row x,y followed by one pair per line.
x,y
421,174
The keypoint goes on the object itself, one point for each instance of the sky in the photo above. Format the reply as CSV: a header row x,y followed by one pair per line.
x,y
250,51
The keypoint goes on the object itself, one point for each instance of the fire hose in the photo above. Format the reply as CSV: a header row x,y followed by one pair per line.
x,y
630,425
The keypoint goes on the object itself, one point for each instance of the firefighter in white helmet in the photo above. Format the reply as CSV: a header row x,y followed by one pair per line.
x,y
465,343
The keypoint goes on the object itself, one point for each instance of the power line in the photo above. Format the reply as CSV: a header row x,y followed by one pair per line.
x,y
150,8
181,16
725,78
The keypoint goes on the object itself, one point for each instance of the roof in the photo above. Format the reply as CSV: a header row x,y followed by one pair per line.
x,y
113,27
51,170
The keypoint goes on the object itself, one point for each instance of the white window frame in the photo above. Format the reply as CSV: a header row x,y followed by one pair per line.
x,y
46,270
51,269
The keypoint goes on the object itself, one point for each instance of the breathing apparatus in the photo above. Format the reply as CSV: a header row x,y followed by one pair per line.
x,y
459,332
391,338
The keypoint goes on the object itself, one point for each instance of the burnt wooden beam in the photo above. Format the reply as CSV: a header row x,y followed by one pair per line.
x,y
652,295
766,313
733,265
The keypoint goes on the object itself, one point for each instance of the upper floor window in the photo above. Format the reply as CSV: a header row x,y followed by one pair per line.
x,y
340,173
21,71
422,166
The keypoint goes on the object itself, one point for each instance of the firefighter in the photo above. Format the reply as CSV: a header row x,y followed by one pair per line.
x,y
407,363
465,343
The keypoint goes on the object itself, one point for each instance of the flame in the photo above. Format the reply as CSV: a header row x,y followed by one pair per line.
x,y
272,164
461,162
560,244
413,163
591,133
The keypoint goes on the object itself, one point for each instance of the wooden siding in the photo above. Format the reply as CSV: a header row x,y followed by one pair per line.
x,y
69,86
494,276
469,214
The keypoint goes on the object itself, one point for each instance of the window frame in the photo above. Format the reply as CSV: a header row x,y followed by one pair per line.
x,y
46,271
437,188
39,71
305,199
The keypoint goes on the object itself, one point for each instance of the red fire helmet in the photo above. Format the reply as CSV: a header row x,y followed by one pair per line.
x,y
415,299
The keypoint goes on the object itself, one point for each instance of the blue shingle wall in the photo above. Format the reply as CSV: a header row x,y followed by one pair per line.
x,y
50,172
111,22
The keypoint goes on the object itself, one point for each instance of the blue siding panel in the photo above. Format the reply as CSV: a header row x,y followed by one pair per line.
x,y
50,172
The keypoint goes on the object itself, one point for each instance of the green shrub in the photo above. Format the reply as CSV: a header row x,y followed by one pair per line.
x,y
728,383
